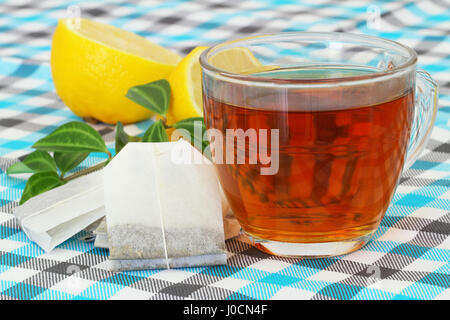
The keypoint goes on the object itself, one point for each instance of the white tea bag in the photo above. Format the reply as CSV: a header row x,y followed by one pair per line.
x,y
231,227
56,215
101,235
163,208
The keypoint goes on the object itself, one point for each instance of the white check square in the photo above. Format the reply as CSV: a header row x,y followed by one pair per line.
x,y
231,284
429,7
128,293
445,195
329,276
269,265
398,235
5,217
445,295
16,154
16,274
7,245
33,26
13,133
73,285
404,189
288,293
59,254
137,25
363,256
7,113
445,244
428,213
47,120
420,265
175,30
38,102
172,275
28,83
394,286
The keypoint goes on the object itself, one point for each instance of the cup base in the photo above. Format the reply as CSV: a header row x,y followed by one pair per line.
x,y
309,250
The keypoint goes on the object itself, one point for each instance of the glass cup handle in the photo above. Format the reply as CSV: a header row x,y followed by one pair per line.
x,y
424,116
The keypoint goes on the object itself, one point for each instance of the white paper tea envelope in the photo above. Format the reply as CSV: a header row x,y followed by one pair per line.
x,y
56,215
101,235
163,208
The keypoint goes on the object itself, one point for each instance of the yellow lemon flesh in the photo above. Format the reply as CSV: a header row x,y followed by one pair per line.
x,y
186,85
94,64
237,60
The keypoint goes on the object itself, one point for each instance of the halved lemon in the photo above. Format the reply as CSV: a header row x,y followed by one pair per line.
x,y
94,64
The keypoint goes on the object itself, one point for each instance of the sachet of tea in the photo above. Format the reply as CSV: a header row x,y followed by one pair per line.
x,y
56,215
101,235
163,208
231,227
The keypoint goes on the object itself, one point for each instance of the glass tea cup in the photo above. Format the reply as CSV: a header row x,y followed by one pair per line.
x,y
310,133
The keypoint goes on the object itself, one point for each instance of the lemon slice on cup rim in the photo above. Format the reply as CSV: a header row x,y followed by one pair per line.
x,y
185,80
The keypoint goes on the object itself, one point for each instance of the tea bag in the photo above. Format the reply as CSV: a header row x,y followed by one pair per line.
x,y
231,226
163,208
101,235
56,215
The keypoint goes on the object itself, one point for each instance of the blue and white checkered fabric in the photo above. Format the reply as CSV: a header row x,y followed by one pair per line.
x,y
409,257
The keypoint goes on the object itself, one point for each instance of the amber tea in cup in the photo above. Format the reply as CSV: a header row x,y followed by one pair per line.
x,y
348,119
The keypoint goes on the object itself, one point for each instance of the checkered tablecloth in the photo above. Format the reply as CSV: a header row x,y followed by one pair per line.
x,y
409,257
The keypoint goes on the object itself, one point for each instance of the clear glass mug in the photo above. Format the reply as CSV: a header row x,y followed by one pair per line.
x,y
310,133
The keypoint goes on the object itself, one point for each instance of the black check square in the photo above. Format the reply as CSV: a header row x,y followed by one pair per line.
x,y
181,290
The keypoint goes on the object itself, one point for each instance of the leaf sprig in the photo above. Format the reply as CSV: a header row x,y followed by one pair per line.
x,y
69,145
64,149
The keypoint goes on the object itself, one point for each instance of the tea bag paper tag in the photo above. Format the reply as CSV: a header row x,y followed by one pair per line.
x,y
162,212
56,215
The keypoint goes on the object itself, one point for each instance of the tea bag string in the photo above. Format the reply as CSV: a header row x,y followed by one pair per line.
x,y
161,216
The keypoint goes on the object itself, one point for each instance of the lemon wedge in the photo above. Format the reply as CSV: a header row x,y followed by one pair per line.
x,y
94,64
186,85
238,60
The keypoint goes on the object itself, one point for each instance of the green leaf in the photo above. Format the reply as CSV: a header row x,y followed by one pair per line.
x,y
19,167
38,183
196,128
156,133
191,124
37,161
122,138
40,161
73,136
66,161
207,151
154,96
